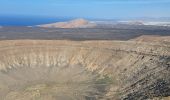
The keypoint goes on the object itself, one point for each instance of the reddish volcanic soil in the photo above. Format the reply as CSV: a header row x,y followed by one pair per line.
x,y
77,23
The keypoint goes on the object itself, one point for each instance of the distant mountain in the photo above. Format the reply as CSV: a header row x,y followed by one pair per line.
x,y
77,23
154,23
131,22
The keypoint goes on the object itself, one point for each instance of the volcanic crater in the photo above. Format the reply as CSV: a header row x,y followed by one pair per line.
x,y
86,70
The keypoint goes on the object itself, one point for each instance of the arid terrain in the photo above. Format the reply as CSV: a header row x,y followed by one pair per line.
x,y
90,70
118,63
116,33
84,49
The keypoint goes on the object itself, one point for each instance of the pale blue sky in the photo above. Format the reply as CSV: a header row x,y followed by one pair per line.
x,y
87,8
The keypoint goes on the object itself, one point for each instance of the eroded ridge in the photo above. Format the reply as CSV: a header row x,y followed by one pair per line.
x,y
90,70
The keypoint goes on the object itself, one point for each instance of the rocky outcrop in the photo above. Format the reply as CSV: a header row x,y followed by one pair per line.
x,y
77,23
89,70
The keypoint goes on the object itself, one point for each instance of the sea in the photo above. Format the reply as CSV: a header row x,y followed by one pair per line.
x,y
30,20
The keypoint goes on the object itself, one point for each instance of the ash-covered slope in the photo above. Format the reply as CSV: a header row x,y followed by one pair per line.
x,y
91,70
77,23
